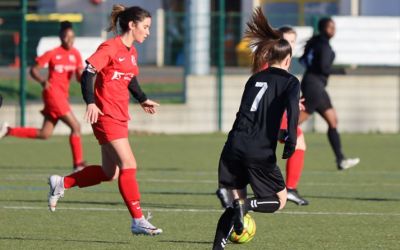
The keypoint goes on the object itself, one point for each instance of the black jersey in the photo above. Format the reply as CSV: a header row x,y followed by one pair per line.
x,y
318,59
254,133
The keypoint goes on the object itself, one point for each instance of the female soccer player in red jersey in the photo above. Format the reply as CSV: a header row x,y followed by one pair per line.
x,y
295,164
62,62
115,64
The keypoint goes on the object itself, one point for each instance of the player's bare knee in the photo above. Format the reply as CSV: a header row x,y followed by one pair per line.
x,y
43,135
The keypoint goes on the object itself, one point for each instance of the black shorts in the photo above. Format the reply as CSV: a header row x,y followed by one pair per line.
x,y
315,95
237,174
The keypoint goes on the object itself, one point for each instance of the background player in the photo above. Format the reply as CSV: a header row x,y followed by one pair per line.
x,y
295,163
62,62
318,59
115,63
249,156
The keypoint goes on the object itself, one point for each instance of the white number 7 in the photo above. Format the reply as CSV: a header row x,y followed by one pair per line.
x,y
256,102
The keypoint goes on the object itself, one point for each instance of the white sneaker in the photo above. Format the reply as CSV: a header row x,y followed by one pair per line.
x,y
3,129
56,184
348,163
144,227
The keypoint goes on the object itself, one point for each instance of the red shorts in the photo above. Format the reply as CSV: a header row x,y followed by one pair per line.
x,y
284,126
55,105
108,129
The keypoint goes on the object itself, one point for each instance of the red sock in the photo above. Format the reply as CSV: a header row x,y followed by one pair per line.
x,y
294,167
76,148
23,132
129,189
89,176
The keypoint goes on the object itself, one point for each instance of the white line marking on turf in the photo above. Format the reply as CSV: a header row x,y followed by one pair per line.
x,y
199,211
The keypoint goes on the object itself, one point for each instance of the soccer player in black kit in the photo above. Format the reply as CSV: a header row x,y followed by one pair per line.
x,y
249,156
318,59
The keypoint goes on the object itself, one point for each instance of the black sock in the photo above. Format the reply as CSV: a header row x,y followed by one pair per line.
x,y
224,228
263,205
334,140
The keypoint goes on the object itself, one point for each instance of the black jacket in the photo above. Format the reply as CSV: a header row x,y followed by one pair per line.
x,y
254,133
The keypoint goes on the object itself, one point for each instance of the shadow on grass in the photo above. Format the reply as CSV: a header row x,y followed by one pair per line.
x,y
58,240
187,242
353,198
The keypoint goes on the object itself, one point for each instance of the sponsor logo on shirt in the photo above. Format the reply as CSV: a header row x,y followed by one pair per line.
x,y
72,58
133,59
121,59
120,75
60,68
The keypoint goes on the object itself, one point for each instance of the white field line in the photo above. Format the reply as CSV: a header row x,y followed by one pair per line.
x,y
209,181
174,210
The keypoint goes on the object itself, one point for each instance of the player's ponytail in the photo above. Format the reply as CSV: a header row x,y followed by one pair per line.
x,y
267,43
121,16
116,11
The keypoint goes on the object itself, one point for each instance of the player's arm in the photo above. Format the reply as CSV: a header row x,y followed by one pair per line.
x,y
148,105
292,107
78,74
87,87
326,62
35,74
136,90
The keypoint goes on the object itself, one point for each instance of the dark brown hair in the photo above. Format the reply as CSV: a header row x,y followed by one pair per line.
x,y
287,30
268,43
64,26
122,15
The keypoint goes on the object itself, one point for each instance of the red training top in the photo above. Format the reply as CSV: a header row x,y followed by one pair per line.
x,y
116,65
62,64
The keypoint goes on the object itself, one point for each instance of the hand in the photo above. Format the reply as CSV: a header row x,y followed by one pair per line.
x,y
149,106
45,84
288,150
301,105
92,113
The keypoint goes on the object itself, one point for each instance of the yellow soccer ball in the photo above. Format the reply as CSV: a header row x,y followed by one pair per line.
x,y
248,232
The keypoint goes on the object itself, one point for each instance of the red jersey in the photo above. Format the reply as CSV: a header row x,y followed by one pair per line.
x,y
116,65
62,65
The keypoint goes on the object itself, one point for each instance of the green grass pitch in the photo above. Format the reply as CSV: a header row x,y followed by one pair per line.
x,y
355,209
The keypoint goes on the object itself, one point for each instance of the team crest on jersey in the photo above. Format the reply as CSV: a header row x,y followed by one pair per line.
x,y
133,59
72,58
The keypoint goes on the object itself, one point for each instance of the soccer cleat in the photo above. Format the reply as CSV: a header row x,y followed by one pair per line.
x,y
294,196
3,130
57,189
238,217
348,163
225,197
142,226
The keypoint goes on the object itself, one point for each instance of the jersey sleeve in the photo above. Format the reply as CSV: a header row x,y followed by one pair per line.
x,y
43,60
102,57
292,107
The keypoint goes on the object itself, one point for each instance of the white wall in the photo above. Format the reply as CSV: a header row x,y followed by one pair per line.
x,y
364,104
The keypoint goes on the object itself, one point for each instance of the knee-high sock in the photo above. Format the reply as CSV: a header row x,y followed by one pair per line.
x,y
129,189
294,167
224,228
262,205
334,140
20,132
76,148
89,176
